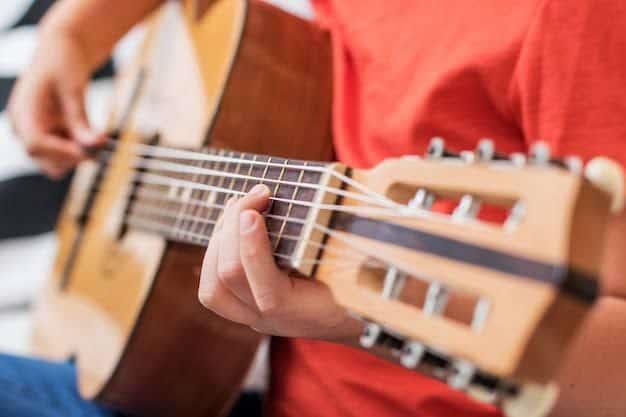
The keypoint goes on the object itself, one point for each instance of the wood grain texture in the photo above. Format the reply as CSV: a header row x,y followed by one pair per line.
x,y
278,95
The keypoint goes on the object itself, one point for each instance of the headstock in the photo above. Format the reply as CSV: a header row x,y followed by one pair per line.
x,y
485,302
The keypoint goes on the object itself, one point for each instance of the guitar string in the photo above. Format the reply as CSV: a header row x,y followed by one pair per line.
x,y
157,210
158,197
164,180
167,166
156,226
398,212
354,247
147,209
156,179
158,151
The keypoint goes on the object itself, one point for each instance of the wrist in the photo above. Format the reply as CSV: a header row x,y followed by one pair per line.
x,y
348,331
54,33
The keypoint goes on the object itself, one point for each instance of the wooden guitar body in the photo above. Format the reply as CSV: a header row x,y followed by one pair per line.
x,y
236,74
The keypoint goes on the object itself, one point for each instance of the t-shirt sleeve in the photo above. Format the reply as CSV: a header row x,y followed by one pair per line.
x,y
569,85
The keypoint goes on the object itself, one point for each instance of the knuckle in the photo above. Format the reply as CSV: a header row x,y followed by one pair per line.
x,y
54,172
269,303
252,250
34,148
252,246
206,297
230,272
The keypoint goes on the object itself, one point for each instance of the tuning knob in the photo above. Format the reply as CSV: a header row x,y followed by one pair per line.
x,y
540,153
607,175
437,149
486,151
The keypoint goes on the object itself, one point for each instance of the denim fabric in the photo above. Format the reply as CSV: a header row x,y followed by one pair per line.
x,y
35,388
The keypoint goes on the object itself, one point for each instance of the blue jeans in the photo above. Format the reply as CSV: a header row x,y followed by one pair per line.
x,y
35,388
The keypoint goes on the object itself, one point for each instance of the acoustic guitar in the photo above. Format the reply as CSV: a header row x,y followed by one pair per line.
x,y
487,306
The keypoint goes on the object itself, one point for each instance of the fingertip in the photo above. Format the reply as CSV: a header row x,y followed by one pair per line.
x,y
88,137
260,190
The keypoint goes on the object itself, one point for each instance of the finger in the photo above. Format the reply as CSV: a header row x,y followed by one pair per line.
x,y
53,170
52,147
230,270
73,103
269,286
214,296
220,221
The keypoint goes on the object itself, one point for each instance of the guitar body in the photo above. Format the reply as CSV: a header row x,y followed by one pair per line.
x,y
236,74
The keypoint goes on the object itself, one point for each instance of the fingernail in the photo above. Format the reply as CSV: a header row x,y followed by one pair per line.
x,y
259,189
246,222
86,136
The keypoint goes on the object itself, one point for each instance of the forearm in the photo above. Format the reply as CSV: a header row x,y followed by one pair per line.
x,y
593,375
94,25
592,378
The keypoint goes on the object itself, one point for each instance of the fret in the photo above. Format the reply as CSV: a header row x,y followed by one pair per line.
x,y
212,212
188,207
190,214
201,211
276,192
238,183
247,185
219,198
231,180
274,173
181,193
287,216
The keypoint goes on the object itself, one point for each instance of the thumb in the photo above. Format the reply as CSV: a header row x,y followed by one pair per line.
x,y
73,103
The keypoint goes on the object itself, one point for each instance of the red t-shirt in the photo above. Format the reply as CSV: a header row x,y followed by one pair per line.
x,y
408,70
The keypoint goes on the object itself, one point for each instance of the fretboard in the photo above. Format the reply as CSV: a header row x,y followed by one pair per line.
x,y
184,204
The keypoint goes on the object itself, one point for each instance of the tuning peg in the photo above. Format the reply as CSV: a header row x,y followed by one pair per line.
x,y
607,175
437,149
393,283
375,335
461,374
423,199
532,400
486,151
574,164
371,335
436,299
516,215
412,354
540,153
480,314
518,159
467,208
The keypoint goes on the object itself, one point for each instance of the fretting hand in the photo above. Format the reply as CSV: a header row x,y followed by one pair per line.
x,y
241,282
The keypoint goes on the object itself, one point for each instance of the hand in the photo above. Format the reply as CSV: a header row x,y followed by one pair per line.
x,y
241,282
47,109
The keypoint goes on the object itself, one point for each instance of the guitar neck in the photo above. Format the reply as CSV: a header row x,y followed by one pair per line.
x,y
180,195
